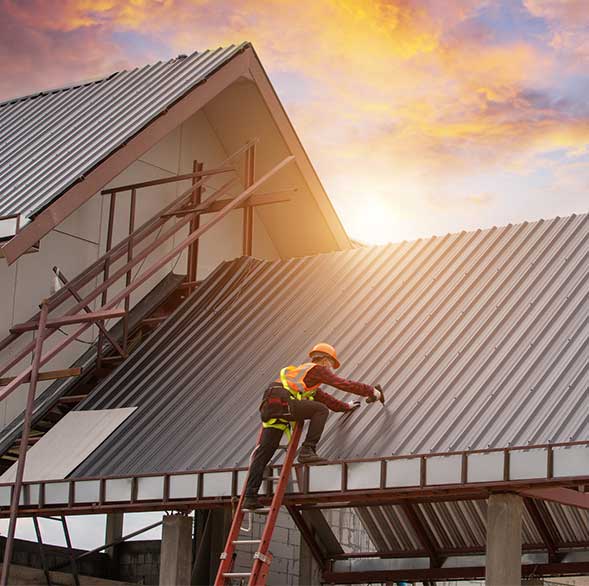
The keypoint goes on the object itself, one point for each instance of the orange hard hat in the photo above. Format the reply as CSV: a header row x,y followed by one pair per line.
x,y
325,350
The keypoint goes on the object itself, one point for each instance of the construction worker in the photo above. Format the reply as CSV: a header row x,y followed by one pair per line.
x,y
295,396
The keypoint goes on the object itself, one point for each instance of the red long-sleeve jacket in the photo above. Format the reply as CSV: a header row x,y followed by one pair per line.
x,y
321,375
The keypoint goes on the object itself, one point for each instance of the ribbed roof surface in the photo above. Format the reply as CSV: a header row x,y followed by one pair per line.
x,y
49,140
479,338
456,525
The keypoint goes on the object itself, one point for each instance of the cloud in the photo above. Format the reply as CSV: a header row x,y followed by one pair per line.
x,y
569,27
397,96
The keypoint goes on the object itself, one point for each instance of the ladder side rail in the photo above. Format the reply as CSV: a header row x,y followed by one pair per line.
x,y
261,562
227,556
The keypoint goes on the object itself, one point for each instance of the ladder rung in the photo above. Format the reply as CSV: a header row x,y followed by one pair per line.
x,y
272,478
236,574
261,511
281,447
247,541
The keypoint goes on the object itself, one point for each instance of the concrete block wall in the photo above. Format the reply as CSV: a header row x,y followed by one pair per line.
x,y
139,562
285,548
286,543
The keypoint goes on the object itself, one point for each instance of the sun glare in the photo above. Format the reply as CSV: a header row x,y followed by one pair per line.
x,y
373,222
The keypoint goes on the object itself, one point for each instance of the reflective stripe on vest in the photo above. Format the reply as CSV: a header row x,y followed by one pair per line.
x,y
293,380
281,424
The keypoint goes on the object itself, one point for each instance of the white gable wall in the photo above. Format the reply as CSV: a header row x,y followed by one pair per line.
x,y
81,239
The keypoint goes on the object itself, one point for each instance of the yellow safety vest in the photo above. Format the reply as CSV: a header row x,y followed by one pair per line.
x,y
292,379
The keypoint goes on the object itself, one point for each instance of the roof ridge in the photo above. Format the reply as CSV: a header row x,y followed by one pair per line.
x,y
364,246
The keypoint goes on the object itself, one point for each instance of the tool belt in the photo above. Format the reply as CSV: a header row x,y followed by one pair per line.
x,y
275,403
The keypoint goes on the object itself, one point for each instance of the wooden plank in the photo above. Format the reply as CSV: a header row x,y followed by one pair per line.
x,y
47,375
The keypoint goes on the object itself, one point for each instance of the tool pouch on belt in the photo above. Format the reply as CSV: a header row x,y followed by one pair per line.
x,y
275,402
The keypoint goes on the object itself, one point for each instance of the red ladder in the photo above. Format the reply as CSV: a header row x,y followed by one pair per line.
x,y
262,557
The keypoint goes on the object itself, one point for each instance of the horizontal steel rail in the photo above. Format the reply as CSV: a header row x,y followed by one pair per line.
x,y
321,486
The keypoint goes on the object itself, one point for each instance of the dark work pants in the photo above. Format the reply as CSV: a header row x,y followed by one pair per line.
x,y
314,411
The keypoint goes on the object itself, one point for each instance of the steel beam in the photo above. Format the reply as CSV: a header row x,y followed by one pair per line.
x,y
424,535
68,320
443,574
316,550
194,175
548,536
47,375
561,495
22,453
254,201
77,297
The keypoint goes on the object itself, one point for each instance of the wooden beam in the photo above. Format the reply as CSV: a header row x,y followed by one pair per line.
x,y
561,495
47,375
67,320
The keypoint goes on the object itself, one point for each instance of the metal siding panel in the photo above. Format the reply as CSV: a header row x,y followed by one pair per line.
x,y
398,314
51,139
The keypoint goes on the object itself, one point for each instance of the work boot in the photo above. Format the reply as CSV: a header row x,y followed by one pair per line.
x,y
251,503
308,455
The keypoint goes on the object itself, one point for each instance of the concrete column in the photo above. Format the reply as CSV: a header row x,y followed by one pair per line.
x,y
176,552
504,540
114,530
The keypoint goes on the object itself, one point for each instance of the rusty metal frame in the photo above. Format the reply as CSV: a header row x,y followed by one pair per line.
x,y
304,499
20,466
140,279
45,326
248,210
425,536
308,535
548,534
121,158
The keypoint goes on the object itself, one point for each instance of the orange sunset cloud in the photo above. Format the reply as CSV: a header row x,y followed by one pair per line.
x,y
406,101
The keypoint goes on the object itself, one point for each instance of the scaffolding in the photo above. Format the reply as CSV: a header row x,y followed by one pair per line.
x,y
183,212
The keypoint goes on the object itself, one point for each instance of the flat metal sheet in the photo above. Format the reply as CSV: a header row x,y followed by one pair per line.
x,y
68,443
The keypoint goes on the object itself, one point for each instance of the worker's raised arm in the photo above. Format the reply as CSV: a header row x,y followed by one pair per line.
x,y
331,402
321,375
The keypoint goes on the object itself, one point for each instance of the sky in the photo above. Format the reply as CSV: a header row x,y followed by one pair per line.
x,y
421,116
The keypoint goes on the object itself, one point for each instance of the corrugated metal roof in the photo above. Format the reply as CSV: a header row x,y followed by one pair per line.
x,y
459,525
479,338
50,140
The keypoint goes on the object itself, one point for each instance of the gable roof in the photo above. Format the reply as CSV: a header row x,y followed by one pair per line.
x,y
479,338
62,146
52,139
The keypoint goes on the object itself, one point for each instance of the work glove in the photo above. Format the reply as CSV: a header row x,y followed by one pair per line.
x,y
377,396
353,405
